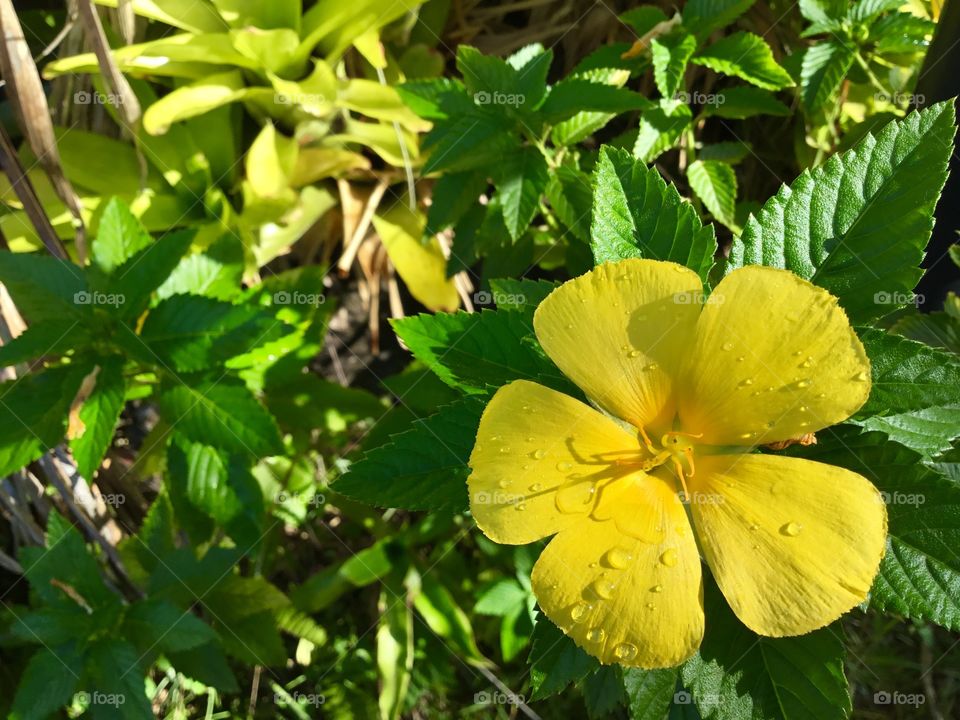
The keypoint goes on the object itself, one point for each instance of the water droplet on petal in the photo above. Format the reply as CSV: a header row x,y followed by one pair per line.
x,y
604,588
669,558
634,354
618,558
521,507
625,651
504,450
651,367
657,588
564,467
596,635
569,326
526,467
754,527
536,487
539,454
579,611
727,346
797,353
592,565
745,383
860,377
504,484
791,529
803,383
530,438
650,606
741,358
807,363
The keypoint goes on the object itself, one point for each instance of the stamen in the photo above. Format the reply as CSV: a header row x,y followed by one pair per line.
x,y
679,468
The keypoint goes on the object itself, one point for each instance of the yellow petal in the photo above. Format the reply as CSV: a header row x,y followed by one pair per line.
x,y
620,331
622,599
792,543
538,460
774,358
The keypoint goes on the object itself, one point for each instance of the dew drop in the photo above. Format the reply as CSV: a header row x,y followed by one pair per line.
x,y
756,547
727,346
803,383
860,377
656,589
745,383
625,651
651,367
526,467
504,450
530,438
634,354
797,353
791,529
495,438
596,635
536,487
650,606
807,363
741,358
539,454
618,558
747,435
754,527
604,588
569,326
520,507
579,611
802,408
592,565
504,484
669,558
564,467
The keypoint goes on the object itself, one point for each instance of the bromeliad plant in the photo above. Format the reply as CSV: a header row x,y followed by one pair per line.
x,y
758,397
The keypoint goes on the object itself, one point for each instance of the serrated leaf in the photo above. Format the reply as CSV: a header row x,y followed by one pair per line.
x,y
938,329
660,129
649,692
501,598
48,338
555,661
158,625
603,691
478,352
636,214
120,236
858,224
746,56
570,193
223,414
715,183
578,94
930,431
139,277
670,54
99,414
44,288
919,575
524,295
217,272
737,674
47,684
703,16
453,195
521,179
424,468
586,122
824,67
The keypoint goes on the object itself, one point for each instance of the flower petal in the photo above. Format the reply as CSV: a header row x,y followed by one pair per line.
x,y
775,358
538,460
619,331
622,599
792,543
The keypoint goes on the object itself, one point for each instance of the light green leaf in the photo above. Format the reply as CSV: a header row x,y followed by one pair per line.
x,y
824,67
119,236
197,98
189,15
636,214
715,183
670,54
703,16
661,128
746,56
99,414
858,224
744,101
649,692
586,122
580,93
521,179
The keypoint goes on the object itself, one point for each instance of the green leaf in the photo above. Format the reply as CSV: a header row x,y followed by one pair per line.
x,y
521,179
744,101
99,414
703,16
136,280
223,414
113,668
206,664
920,573
824,67
120,236
501,598
585,123
424,468
158,625
436,99
524,295
47,338
467,142
737,674
603,691
33,415
48,683
649,692
930,431
44,288
730,152
555,661
395,649
670,54
715,183
746,56
578,94
939,329
478,352
858,224
190,332
660,129
487,76
217,272
437,606
571,196
453,195
636,214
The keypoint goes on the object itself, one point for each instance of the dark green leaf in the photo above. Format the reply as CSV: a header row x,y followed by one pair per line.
x,y
48,683
555,661
521,179
746,56
670,55
44,288
99,414
824,67
649,692
120,236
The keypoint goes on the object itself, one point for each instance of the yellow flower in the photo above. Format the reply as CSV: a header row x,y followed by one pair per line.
x,y
684,390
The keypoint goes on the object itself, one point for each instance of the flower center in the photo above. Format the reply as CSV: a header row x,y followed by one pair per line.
x,y
675,447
